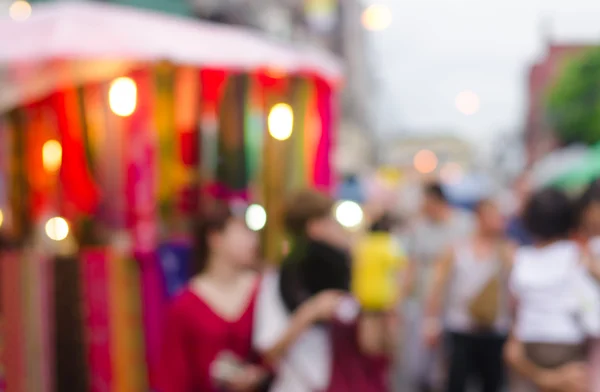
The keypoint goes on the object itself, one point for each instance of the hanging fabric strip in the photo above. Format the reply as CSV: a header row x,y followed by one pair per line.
x,y
5,156
69,344
13,335
296,177
80,193
187,114
167,142
18,184
97,322
254,129
323,175
140,174
212,86
154,301
128,362
36,332
312,133
231,170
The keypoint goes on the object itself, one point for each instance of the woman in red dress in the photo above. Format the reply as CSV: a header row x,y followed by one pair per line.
x,y
207,344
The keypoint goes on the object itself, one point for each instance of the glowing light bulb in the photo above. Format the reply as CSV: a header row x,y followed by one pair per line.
x,y
425,161
468,103
57,228
281,121
19,10
122,97
349,214
376,17
256,217
52,156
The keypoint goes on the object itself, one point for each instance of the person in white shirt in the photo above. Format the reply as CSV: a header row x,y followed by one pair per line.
x,y
299,341
557,300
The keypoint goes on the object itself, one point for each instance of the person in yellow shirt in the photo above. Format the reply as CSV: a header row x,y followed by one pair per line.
x,y
378,262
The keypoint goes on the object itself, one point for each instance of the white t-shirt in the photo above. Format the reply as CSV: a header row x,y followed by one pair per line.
x,y
557,300
307,365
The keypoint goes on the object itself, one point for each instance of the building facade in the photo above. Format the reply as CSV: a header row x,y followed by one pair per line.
x,y
539,138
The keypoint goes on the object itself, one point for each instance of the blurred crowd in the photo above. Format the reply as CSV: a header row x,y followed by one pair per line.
x,y
456,300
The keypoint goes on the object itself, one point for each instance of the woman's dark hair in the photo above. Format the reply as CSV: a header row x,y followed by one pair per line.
x,y
589,197
435,191
212,220
548,215
385,224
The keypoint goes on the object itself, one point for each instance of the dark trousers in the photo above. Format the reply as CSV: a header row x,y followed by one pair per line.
x,y
475,357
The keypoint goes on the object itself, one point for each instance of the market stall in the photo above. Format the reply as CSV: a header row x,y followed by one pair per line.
x,y
116,125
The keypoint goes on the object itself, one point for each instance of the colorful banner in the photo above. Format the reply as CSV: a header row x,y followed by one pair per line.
x,y
97,318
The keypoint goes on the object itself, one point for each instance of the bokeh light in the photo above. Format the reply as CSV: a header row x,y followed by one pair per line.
x,y
20,10
451,173
256,217
376,17
57,228
281,121
1,217
52,156
467,102
349,214
425,161
122,97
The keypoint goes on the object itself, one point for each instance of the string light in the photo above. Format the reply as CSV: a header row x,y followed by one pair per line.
x,y
425,161
256,217
57,228
349,214
281,121
19,10
376,17
52,156
122,97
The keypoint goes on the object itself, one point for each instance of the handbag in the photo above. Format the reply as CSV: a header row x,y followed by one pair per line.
x,y
485,306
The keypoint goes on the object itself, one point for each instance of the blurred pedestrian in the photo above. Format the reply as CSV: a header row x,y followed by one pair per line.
x,y
588,214
331,348
515,229
469,301
439,226
557,301
208,335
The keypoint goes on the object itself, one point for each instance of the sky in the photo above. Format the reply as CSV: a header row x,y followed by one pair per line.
x,y
434,49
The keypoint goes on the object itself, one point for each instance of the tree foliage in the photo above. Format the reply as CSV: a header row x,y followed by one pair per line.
x,y
573,102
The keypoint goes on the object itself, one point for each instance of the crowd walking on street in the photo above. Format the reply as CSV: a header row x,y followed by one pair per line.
x,y
457,301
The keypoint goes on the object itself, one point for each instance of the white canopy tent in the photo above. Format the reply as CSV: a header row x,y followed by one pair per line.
x,y
68,42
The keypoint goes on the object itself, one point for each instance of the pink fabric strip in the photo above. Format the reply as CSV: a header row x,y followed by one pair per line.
x,y
153,302
323,174
95,278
